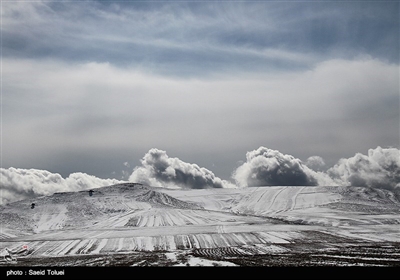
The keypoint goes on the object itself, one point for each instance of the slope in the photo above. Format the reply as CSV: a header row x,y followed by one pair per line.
x,y
129,217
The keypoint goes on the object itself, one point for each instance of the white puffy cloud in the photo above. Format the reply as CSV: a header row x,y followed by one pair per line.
x,y
267,167
315,162
379,169
17,183
160,170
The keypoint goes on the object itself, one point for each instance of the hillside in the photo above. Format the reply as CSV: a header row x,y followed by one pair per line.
x,y
202,224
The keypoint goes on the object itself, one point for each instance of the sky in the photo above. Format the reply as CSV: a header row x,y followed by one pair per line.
x,y
199,93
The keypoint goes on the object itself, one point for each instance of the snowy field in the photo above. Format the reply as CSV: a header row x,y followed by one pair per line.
x,y
137,225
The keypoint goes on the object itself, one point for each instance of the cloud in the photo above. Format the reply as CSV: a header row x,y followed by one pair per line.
x,y
333,110
266,167
199,38
189,36
315,162
379,169
160,170
17,183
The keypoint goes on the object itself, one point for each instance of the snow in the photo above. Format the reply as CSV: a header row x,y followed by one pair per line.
x,y
65,249
88,246
128,218
50,218
360,258
171,256
79,246
171,245
195,261
103,243
272,237
120,244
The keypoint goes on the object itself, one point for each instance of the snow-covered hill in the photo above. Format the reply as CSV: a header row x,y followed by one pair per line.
x,y
129,217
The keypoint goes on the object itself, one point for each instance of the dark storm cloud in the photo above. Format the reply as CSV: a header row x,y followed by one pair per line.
x,y
267,167
380,168
17,183
160,170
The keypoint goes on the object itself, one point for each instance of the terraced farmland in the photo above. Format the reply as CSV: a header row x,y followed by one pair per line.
x,y
236,226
